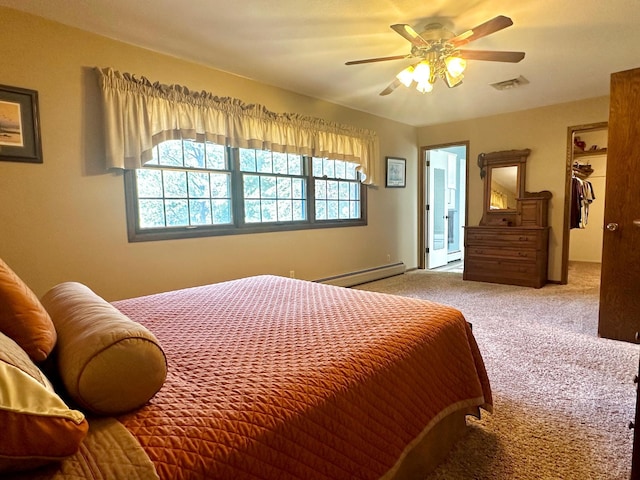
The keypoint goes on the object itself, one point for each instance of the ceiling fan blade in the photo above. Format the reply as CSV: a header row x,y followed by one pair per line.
x,y
487,28
492,56
410,34
379,59
392,86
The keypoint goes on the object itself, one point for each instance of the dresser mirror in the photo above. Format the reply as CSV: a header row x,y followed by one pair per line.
x,y
504,187
504,182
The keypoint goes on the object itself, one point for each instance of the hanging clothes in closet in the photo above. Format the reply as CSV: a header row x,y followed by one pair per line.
x,y
582,196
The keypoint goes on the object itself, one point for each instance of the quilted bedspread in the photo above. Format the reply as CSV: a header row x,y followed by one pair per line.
x,y
275,378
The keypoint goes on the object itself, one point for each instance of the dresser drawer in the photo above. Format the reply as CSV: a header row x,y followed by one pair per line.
x,y
511,273
502,267
494,252
505,237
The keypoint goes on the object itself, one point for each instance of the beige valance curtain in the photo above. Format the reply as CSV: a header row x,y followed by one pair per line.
x,y
139,114
498,200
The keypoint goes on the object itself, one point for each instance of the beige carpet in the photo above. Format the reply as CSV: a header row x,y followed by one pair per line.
x,y
563,397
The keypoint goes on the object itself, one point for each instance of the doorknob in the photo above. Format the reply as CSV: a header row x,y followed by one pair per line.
x,y
637,223
612,227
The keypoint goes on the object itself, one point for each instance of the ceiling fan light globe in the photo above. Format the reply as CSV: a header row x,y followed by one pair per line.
x,y
455,65
406,76
453,81
424,87
422,72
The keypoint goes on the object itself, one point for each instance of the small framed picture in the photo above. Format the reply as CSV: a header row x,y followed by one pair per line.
x,y
396,172
19,125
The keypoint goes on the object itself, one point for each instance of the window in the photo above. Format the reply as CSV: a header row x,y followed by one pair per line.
x,y
337,190
192,189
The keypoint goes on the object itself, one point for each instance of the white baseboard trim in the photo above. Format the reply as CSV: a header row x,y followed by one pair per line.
x,y
364,276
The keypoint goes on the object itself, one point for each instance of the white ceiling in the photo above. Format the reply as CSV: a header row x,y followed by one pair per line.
x,y
572,46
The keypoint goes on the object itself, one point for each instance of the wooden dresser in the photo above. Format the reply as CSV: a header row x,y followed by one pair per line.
x,y
504,254
511,249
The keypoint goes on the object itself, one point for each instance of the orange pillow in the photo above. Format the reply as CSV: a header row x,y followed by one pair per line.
x,y
37,426
22,316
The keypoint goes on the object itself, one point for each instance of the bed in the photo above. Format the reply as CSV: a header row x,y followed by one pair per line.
x,y
270,378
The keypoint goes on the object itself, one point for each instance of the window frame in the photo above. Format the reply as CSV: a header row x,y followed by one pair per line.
x,y
238,225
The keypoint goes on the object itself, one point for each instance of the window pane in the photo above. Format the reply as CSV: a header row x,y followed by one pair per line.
x,y
220,185
177,212
343,190
280,163
221,211
149,183
247,160
350,171
252,213
332,210
284,188
355,209
328,167
175,184
332,190
251,186
285,213
198,184
215,156
170,153
299,210
295,164
321,210
268,187
263,161
343,209
321,189
297,188
193,154
316,167
200,212
340,169
151,213
269,210
355,191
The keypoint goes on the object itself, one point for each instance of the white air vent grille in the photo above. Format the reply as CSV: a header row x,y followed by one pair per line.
x,y
510,84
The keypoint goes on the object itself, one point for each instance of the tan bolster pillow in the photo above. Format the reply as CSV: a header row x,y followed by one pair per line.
x,y
108,363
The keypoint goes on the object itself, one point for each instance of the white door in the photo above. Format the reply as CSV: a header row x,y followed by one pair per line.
x,y
437,226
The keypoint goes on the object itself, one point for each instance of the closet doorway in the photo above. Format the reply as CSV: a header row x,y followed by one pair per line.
x,y
442,203
584,194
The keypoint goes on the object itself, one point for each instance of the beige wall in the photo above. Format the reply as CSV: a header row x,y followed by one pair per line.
x,y
544,131
65,219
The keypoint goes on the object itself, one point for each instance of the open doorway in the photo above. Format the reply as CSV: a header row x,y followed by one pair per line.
x,y
442,198
584,196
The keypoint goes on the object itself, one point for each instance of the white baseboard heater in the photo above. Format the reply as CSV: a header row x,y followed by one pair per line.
x,y
364,276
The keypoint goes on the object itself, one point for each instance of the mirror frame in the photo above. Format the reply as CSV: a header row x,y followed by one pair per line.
x,y
505,158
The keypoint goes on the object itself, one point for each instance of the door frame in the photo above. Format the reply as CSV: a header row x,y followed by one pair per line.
x,y
422,202
564,274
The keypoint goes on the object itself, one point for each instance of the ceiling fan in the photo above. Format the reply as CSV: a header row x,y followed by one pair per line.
x,y
440,56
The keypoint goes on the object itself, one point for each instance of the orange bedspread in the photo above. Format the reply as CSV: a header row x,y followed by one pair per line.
x,y
275,378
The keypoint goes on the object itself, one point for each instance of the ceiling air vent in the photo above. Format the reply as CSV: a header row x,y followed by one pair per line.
x,y
510,84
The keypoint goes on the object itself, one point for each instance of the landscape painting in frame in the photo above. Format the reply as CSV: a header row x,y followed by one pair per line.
x,y
19,125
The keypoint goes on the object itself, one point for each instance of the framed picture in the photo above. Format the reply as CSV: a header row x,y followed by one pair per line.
x,y
19,125
396,172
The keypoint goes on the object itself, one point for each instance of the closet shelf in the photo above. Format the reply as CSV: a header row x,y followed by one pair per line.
x,y
589,153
